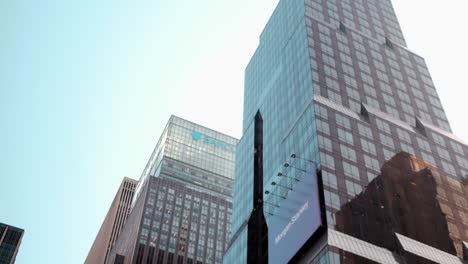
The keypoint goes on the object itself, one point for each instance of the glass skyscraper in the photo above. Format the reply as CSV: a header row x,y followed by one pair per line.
x,y
339,90
181,210
10,241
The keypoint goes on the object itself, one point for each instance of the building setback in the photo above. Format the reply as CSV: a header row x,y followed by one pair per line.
x,y
339,91
10,241
113,223
182,207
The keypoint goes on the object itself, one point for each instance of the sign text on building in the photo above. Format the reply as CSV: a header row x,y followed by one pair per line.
x,y
213,141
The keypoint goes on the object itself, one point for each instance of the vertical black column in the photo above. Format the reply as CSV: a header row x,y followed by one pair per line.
x,y
257,241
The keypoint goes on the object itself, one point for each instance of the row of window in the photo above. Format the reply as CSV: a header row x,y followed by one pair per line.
x,y
335,88
369,19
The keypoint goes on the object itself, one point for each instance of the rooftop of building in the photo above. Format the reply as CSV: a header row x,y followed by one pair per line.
x,y
200,125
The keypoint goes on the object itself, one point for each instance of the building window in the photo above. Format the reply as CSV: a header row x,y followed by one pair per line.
x,y
325,143
383,126
449,168
351,170
327,161
365,131
423,144
443,153
368,147
323,127
332,199
371,163
348,153
329,179
353,188
119,259
345,136
387,141
343,121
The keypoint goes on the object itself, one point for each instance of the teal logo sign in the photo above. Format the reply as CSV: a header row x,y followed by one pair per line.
x,y
197,136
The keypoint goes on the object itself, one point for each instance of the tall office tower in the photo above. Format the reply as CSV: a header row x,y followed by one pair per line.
x,y
339,91
182,206
10,241
113,223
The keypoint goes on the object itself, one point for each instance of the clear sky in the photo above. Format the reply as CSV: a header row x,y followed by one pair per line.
x,y
86,87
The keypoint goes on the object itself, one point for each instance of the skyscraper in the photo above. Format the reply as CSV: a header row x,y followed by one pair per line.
x,y
182,205
340,94
10,241
113,223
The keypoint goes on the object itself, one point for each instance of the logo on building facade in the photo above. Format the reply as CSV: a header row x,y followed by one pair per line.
x,y
197,136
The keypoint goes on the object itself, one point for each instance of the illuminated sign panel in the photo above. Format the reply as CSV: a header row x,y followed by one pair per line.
x,y
197,136
296,219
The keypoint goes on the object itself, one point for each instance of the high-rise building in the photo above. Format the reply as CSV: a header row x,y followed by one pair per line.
x,y
113,223
340,94
182,205
10,241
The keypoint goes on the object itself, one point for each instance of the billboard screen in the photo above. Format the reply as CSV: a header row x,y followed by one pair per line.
x,y
296,219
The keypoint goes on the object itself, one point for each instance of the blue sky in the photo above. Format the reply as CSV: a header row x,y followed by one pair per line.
x,y
86,87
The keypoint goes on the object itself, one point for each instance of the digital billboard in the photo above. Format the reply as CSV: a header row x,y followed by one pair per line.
x,y
296,218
